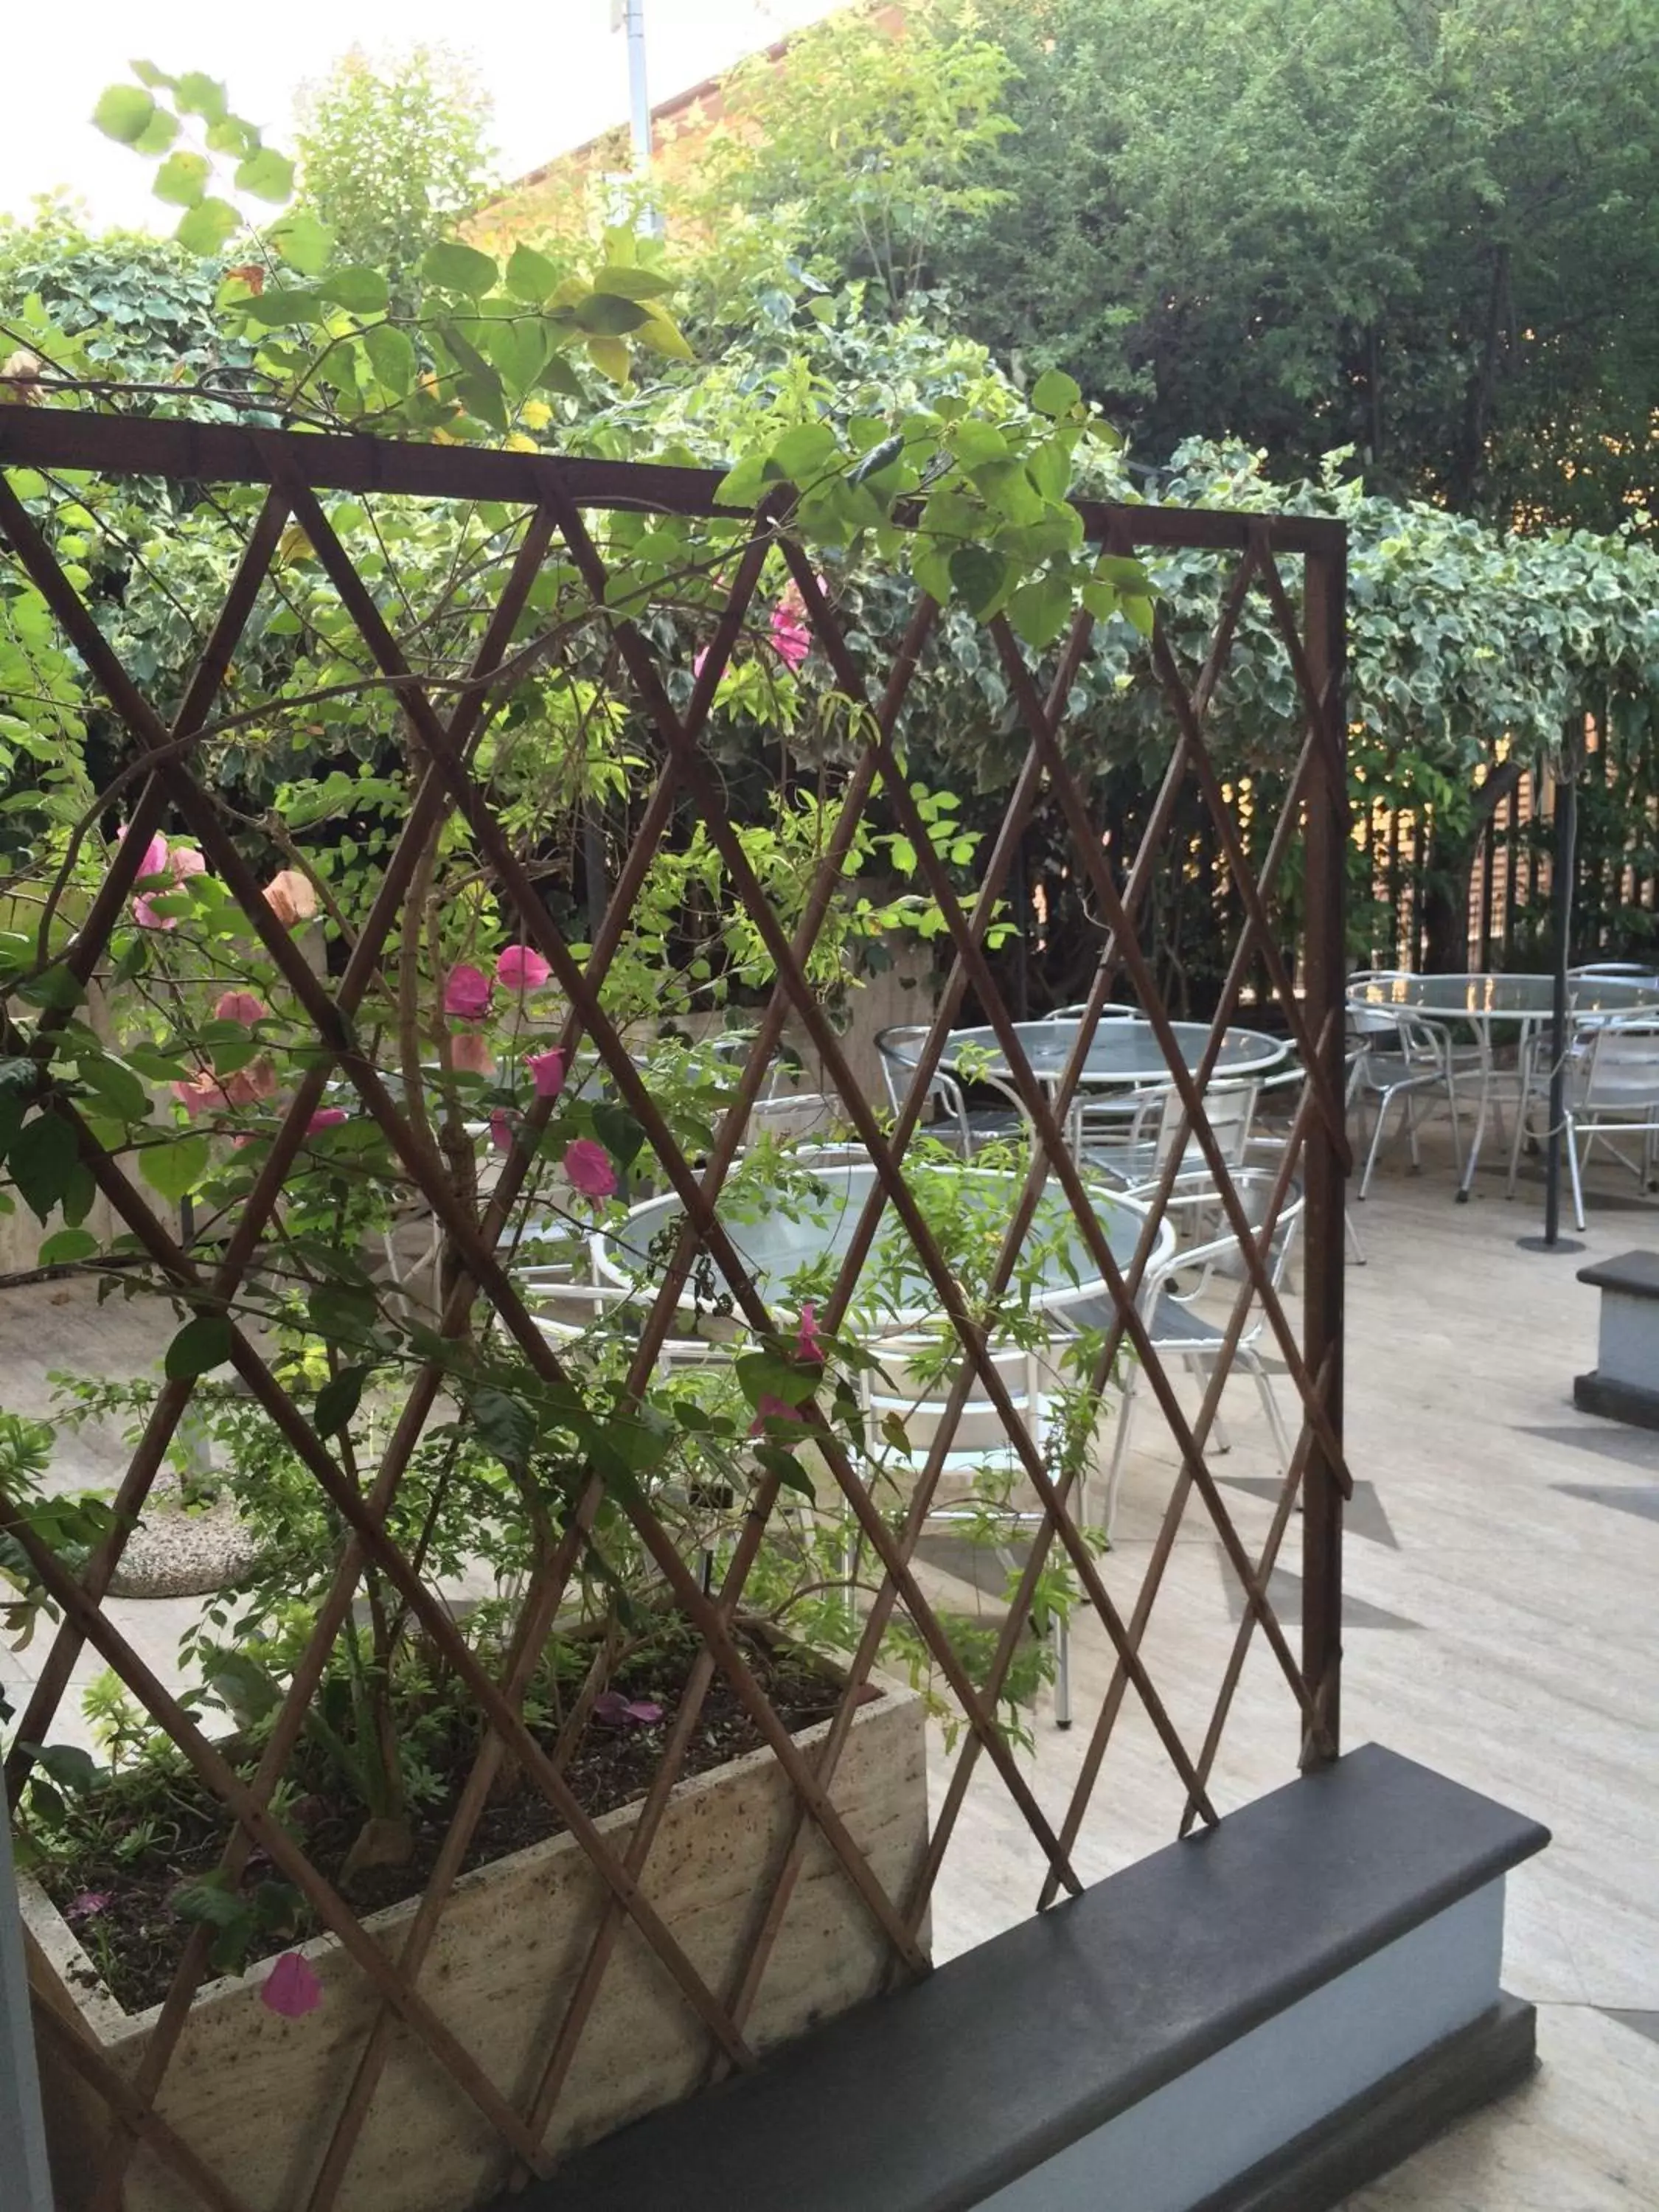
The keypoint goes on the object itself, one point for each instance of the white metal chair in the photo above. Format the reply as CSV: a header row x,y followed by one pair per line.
x,y
1174,1285
1396,1054
898,1048
1611,1091
1137,1163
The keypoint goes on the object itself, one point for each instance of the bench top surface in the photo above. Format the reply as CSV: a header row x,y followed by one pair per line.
x,y
928,2100
1635,1273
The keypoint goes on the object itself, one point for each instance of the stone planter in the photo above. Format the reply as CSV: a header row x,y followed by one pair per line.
x,y
256,2094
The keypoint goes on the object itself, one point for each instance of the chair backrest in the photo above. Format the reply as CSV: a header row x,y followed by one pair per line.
x,y
897,1048
815,1113
1643,969
1113,1010
1209,1248
1620,1070
1230,1109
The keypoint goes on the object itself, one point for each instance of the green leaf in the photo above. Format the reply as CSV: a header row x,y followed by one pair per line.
x,y
247,1691
66,1248
362,291
978,574
663,336
158,134
604,315
230,134
1140,611
805,452
338,1399
391,356
200,94
124,113
785,1467
611,357
769,1374
174,1167
182,178
204,229
1123,574
210,1900
43,1157
558,376
303,242
530,277
618,1131
267,174
280,304
200,1346
69,1766
632,283
452,267
1039,609
1055,393
507,1424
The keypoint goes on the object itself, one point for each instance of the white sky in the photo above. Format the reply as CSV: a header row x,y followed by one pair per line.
x,y
556,71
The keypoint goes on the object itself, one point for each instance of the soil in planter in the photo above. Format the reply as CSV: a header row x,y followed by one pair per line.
x,y
120,1898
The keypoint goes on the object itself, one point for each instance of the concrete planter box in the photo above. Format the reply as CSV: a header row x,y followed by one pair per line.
x,y
256,2094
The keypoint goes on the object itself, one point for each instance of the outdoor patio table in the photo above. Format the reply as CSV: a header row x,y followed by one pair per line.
x,y
1122,1053
1494,1005
779,1242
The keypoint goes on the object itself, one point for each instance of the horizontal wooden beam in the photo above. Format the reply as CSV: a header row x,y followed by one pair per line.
x,y
234,452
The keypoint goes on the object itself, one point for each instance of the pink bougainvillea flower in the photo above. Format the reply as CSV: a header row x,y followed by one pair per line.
x,y
291,897
501,1130
521,968
200,1094
546,1072
144,913
466,993
469,1052
791,640
771,1409
808,1344
326,1117
185,861
256,1081
617,1710
240,1007
589,1169
291,1987
89,1905
697,664
155,862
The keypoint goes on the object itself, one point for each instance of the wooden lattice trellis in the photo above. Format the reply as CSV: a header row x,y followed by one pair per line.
x,y
553,500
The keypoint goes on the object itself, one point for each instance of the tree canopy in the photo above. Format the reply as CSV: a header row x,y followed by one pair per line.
x,y
1425,228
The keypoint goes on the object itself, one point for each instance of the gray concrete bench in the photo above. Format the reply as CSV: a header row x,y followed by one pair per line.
x,y
1261,2017
1625,1385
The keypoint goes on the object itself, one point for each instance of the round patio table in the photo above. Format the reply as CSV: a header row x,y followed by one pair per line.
x,y
1122,1053
813,1230
1513,1005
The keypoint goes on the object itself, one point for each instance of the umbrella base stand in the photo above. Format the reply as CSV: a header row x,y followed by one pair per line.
x,y
1548,1244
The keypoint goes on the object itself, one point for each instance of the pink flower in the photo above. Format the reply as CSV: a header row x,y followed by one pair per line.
x,y
155,862
470,1053
467,994
290,897
240,1007
291,1987
808,1348
256,1081
501,1130
200,1094
520,969
617,1710
589,1169
89,1905
791,640
185,861
144,913
697,664
546,1072
326,1117
771,1409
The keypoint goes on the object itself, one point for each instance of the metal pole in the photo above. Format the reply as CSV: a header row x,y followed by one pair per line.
x,y
1563,863
639,99
1323,1273
25,2179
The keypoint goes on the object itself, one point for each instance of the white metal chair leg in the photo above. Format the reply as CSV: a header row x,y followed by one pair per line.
x,y
1120,1446
1270,1407
1062,1633
1570,1132
1353,1235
